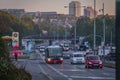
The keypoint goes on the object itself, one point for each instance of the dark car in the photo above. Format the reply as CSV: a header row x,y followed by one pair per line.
x,y
92,61
66,55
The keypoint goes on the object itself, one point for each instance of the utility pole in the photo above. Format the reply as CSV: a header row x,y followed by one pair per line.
x,y
103,24
94,25
103,30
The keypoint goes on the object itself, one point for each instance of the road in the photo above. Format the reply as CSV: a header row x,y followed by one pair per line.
x,y
65,71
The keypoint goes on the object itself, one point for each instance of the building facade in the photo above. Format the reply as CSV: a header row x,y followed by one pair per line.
x,y
89,12
75,8
15,12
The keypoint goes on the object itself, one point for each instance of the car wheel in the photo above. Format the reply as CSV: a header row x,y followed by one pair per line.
x,y
86,67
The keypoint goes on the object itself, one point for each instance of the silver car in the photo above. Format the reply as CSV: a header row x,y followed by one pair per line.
x,y
77,57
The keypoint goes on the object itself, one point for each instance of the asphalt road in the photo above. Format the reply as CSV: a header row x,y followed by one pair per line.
x,y
65,71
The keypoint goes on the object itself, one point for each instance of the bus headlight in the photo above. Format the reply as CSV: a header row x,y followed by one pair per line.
x,y
49,59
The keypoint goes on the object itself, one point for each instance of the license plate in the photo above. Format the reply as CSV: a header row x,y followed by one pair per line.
x,y
95,64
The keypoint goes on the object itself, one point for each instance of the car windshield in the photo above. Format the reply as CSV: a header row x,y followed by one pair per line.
x,y
78,55
93,58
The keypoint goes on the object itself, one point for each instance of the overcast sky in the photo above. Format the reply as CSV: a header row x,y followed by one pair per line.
x,y
55,5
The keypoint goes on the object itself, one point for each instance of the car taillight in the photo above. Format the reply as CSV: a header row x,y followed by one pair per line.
x,y
49,59
89,62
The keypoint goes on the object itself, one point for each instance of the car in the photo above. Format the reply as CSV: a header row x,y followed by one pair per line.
x,y
92,61
66,47
42,48
77,57
66,55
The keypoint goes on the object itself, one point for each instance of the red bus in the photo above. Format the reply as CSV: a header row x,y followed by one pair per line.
x,y
53,54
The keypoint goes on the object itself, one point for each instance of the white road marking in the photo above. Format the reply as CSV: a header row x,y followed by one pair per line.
x,y
55,70
90,77
71,70
91,70
60,72
43,71
106,74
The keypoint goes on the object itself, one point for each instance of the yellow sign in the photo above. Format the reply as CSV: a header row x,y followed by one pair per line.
x,y
15,39
15,34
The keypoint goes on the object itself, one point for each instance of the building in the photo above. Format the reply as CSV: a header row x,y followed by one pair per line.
x,y
15,12
89,12
75,8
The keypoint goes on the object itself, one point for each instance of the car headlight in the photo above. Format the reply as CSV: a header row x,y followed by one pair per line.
x,y
100,62
89,62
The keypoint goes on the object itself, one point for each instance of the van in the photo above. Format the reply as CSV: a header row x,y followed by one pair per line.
x,y
77,57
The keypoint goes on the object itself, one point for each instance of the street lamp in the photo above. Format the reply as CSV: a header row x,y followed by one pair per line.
x,y
103,28
94,25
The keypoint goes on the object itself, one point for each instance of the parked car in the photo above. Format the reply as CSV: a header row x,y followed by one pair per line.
x,y
92,61
77,57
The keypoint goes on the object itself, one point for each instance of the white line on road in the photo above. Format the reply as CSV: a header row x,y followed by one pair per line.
x,y
59,72
90,77
56,70
106,74
43,71
71,70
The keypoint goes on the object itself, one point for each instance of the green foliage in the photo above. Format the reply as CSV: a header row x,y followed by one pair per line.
x,y
85,27
7,70
9,24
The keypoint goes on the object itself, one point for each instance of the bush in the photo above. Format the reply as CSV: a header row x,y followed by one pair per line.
x,y
7,70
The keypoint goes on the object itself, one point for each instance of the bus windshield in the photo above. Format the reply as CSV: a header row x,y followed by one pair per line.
x,y
55,51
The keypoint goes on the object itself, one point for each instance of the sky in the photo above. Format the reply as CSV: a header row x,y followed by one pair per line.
x,y
56,5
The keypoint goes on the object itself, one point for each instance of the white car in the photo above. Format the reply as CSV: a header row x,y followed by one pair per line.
x,y
77,57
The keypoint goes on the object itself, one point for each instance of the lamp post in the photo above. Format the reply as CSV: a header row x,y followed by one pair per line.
x,y
103,30
94,25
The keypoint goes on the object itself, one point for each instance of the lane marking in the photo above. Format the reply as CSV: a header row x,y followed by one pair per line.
x,y
55,69
70,78
106,74
60,72
43,71
70,70
90,77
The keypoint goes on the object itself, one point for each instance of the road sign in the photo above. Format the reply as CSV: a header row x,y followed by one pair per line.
x,y
15,40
